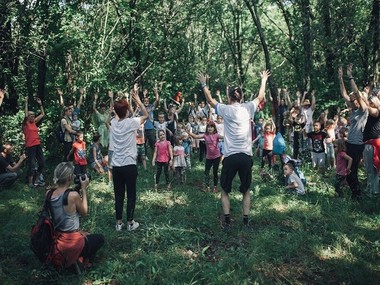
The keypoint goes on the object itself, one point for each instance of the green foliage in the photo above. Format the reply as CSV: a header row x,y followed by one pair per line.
x,y
315,239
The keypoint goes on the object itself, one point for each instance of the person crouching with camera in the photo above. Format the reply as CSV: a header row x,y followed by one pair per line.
x,y
66,206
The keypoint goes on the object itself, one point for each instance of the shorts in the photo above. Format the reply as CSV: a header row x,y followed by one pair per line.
x,y
241,163
318,159
105,167
141,149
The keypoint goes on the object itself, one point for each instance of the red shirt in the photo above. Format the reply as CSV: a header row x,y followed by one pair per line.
x,y
212,150
80,153
32,137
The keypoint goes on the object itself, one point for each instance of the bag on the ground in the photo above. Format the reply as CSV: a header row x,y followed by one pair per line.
x,y
59,133
42,237
279,145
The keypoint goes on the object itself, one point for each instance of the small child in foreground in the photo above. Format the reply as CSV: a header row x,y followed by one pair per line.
x,y
294,184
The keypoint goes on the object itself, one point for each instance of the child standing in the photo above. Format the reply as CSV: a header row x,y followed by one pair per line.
x,y
343,165
202,144
79,151
268,134
95,157
318,147
211,138
163,156
179,162
330,154
294,184
140,142
75,123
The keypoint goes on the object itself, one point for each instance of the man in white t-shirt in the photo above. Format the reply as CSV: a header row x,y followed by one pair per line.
x,y
237,143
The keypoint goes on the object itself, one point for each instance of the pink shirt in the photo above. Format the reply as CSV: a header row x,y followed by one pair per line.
x,y
212,150
268,140
162,151
341,164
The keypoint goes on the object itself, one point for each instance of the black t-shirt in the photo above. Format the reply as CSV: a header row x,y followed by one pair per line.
x,y
372,128
317,141
4,162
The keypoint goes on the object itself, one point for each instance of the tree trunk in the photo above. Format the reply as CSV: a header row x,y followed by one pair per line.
x,y
306,40
272,85
375,23
327,42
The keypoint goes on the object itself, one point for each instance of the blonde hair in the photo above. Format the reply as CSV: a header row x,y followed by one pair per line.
x,y
63,172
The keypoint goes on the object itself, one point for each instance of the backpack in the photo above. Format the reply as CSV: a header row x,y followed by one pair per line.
x,y
59,134
42,237
279,145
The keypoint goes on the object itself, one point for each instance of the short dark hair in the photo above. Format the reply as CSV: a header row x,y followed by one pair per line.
x,y
121,108
235,93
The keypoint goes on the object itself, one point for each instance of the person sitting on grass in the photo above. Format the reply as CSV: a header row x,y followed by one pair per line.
x,y
9,170
97,161
294,184
72,245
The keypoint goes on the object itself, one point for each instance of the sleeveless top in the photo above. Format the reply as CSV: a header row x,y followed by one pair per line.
x,y
63,221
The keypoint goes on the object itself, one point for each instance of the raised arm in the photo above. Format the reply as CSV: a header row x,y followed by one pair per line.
x,y
26,106
60,97
96,96
202,78
1,96
165,106
343,90
181,107
136,98
81,97
157,97
264,77
312,100
110,95
42,114
354,88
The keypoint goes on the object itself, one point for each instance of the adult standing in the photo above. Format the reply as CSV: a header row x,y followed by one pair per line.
x,y
124,168
358,119
237,143
66,126
102,116
33,144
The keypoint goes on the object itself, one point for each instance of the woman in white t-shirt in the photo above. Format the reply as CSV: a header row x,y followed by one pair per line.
x,y
124,157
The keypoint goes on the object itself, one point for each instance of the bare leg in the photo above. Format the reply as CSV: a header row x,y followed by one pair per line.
x,y
225,202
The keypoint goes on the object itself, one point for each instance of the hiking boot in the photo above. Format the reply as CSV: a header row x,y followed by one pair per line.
x,y
119,227
132,226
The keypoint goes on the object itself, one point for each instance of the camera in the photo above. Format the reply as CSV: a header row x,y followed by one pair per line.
x,y
78,178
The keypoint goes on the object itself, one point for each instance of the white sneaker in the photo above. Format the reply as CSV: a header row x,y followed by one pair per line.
x,y
119,227
133,226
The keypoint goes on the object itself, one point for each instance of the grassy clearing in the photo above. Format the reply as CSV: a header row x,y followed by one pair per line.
x,y
315,239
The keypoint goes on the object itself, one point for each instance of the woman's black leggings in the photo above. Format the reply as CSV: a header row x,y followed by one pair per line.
x,y
35,153
215,166
161,165
124,177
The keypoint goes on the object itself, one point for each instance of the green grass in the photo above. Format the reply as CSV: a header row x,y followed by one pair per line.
x,y
314,239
